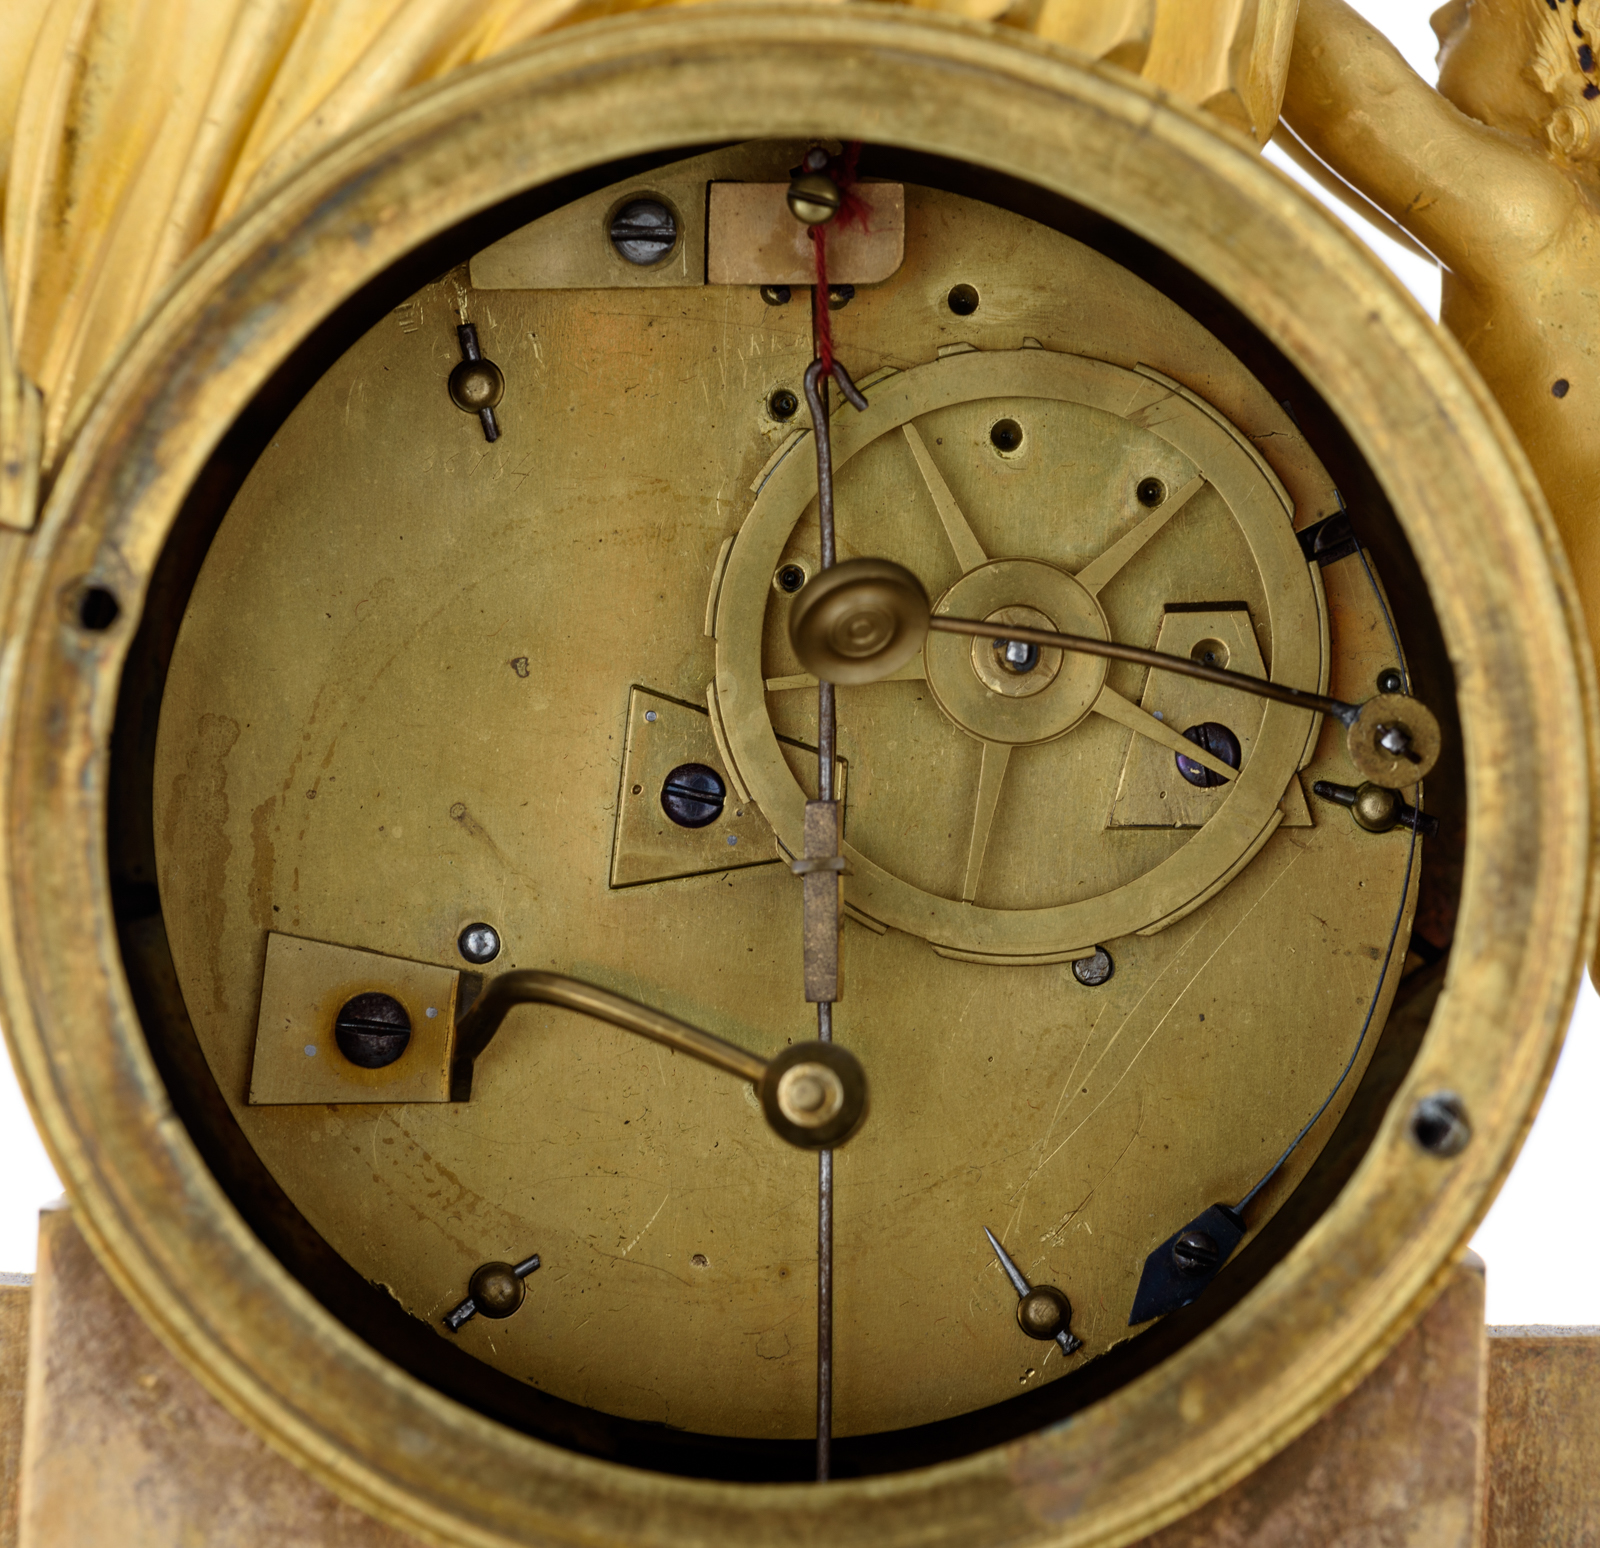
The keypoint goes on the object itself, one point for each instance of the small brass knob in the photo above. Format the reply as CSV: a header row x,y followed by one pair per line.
x,y
814,198
1377,809
1044,1312
810,1095
476,385
495,1289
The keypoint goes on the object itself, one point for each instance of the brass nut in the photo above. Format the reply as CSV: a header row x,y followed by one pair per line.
x,y
814,1095
810,1094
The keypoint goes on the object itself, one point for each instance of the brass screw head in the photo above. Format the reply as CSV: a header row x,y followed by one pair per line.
x,y
495,1289
809,1095
1375,808
476,385
814,198
1043,1312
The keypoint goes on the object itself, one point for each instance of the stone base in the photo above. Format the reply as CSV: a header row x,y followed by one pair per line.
x,y
1464,1437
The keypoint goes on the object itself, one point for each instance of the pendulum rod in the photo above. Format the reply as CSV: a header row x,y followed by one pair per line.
x,y
822,866
816,385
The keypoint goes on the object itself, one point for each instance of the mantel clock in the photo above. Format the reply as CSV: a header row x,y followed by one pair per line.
x,y
546,698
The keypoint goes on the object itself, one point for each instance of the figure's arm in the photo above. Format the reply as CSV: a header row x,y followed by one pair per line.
x,y
1360,107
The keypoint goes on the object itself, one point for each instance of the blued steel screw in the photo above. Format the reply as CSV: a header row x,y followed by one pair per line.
x,y
1195,1253
372,1030
1217,740
644,231
1439,1124
692,795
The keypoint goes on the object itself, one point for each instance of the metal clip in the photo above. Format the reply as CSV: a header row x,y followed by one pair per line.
x,y
821,863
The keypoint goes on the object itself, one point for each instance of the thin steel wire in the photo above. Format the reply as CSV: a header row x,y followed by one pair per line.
x,y
1159,660
1394,931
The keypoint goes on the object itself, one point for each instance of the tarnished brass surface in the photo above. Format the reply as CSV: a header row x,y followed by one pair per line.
x,y
570,248
303,986
1329,1309
1399,1461
123,1446
1543,1437
1151,793
15,1302
648,847
303,633
752,239
1398,1464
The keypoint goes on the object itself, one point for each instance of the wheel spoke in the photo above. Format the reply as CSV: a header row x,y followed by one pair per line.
x,y
969,551
1095,575
991,776
1125,712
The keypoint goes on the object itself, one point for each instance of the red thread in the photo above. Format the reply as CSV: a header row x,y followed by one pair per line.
x,y
853,211
819,309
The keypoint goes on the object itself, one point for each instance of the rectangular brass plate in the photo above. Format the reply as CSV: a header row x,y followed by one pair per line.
x,y
753,239
302,989
570,249
648,846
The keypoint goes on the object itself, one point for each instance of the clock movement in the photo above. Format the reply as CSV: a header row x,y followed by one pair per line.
x,y
673,880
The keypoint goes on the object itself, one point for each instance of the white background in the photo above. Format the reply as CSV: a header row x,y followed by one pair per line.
x,y
1543,1268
